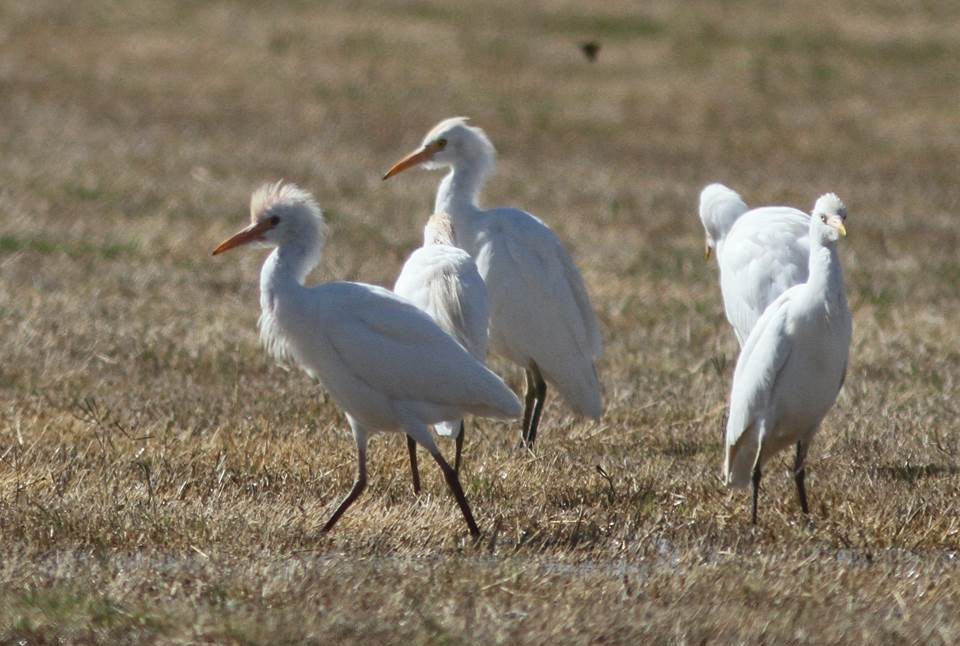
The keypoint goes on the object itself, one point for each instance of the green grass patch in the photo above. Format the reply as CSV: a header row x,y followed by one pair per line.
x,y
605,26
65,613
33,244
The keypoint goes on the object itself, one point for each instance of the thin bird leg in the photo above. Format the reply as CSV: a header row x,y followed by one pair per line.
x,y
529,399
756,491
414,471
358,488
541,396
799,472
453,481
459,441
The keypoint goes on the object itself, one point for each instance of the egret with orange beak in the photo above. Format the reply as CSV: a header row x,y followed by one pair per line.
x,y
386,363
541,317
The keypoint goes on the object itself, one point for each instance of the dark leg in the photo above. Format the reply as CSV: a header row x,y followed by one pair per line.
x,y
798,475
358,488
456,461
529,399
454,483
541,395
414,472
756,491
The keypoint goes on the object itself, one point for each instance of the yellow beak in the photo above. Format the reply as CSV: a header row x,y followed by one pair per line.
x,y
414,158
250,234
837,223
707,250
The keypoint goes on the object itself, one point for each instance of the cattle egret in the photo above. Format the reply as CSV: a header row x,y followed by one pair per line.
x,y
540,313
386,363
761,253
793,363
443,281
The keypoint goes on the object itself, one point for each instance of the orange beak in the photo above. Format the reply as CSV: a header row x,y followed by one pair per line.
x,y
412,159
252,233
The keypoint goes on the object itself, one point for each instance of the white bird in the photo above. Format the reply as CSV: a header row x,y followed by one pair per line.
x,y
540,313
793,363
443,281
386,363
761,253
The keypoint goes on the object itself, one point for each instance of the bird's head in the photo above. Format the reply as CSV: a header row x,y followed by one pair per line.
x,y
719,209
828,219
279,213
450,143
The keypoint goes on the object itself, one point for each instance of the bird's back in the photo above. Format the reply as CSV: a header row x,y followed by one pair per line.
x,y
765,253
378,354
444,282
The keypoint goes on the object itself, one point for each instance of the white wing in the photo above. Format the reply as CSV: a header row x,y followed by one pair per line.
x,y
444,282
395,350
761,361
539,306
765,253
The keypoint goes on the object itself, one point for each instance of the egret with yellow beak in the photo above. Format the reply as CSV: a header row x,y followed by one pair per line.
x,y
793,364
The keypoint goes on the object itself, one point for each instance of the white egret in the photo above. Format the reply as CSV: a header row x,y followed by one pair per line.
x,y
761,253
793,363
443,281
386,363
540,313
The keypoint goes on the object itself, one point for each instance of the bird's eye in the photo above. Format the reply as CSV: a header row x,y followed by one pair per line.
x,y
441,143
823,219
275,220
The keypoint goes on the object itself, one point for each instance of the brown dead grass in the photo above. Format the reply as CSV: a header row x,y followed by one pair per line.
x,y
160,480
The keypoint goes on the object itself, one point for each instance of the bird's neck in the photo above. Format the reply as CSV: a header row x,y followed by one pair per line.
x,y
439,230
286,268
825,275
457,193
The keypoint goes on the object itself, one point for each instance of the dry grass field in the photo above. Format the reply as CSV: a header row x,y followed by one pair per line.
x,y
162,481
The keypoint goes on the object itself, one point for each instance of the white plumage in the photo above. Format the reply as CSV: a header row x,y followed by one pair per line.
x,y
386,363
540,313
443,281
760,252
793,363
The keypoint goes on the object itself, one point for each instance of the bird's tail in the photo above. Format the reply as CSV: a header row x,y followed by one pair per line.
x,y
740,459
579,386
494,398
